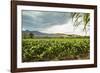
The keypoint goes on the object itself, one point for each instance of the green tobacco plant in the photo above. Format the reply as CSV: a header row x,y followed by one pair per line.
x,y
55,49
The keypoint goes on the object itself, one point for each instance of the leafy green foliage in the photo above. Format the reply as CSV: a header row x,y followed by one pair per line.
x,y
81,19
55,49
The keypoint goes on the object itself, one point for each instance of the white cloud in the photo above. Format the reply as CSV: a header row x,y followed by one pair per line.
x,y
65,28
23,29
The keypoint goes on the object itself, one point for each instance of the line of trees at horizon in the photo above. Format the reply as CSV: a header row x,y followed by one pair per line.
x,y
32,36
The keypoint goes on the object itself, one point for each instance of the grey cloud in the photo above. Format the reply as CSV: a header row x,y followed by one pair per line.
x,y
41,20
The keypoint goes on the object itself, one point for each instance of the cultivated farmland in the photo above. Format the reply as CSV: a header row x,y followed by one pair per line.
x,y
55,49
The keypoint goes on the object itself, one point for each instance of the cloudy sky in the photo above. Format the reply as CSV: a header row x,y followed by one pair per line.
x,y
49,22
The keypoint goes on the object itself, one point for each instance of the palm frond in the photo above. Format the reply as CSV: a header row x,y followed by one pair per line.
x,y
81,19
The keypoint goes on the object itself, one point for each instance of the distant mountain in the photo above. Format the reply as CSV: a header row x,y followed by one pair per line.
x,y
40,34
34,32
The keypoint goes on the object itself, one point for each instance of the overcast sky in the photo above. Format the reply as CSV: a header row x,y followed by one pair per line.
x,y
49,22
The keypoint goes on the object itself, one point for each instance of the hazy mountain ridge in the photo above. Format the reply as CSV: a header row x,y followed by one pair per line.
x,y
41,34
